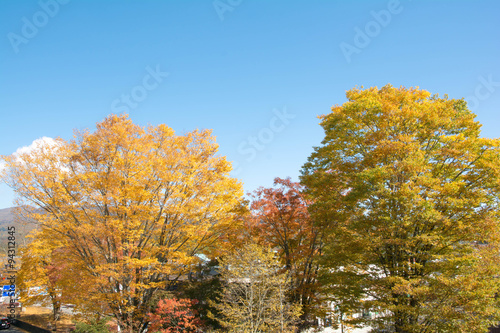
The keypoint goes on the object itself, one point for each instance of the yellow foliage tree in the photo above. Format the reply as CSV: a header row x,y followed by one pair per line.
x,y
253,297
39,277
408,194
132,205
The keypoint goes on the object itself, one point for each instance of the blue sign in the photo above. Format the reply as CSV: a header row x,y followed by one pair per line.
x,y
8,291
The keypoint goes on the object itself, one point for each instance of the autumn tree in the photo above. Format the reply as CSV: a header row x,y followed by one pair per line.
x,y
39,278
78,286
408,192
280,220
50,275
175,315
253,297
133,205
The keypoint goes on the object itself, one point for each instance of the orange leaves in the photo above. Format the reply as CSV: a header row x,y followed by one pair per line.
x,y
280,217
281,221
175,315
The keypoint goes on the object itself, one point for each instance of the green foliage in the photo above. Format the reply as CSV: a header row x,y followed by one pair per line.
x,y
205,288
93,327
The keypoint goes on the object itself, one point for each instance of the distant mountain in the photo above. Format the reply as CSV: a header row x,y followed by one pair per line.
x,y
6,215
22,227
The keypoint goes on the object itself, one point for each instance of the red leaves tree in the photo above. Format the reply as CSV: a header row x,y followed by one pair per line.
x,y
280,219
175,315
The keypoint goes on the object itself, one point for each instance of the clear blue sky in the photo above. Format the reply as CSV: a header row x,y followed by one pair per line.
x,y
233,65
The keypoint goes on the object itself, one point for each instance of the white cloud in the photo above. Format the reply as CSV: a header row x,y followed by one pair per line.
x,y
36,144
6,193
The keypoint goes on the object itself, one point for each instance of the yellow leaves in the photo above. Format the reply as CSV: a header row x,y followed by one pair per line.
x,y
423,189
132,204
253,298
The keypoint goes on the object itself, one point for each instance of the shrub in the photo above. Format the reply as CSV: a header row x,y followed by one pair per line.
x,y
175,315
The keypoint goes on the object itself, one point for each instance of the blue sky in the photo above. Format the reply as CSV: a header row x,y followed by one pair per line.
x,y
256,72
